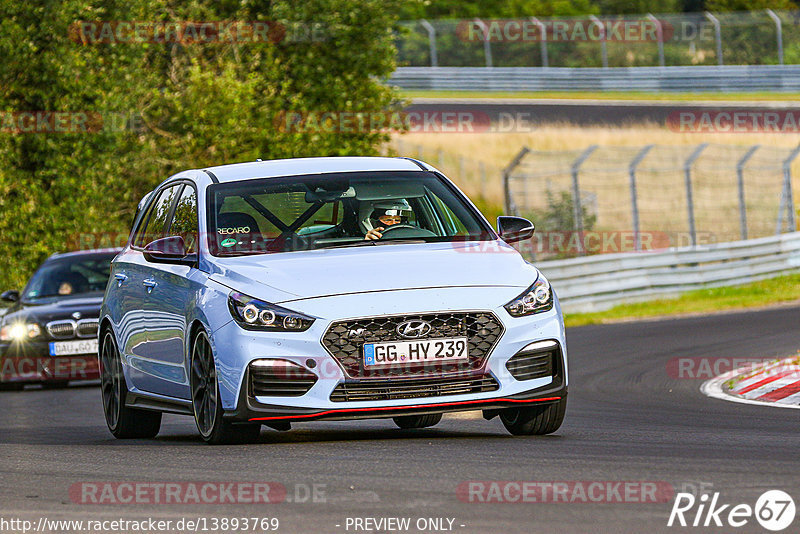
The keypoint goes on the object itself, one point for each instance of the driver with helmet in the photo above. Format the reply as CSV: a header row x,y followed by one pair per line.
x,y
386,214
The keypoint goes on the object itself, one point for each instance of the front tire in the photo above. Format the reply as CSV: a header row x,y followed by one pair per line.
x,y
534,420
417,421
122,421
206,404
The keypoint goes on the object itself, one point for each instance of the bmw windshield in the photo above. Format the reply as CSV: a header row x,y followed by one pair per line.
x,y
80,275
337,210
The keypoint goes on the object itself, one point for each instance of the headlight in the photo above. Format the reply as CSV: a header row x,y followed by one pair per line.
x,y
536,299
19,331
254,314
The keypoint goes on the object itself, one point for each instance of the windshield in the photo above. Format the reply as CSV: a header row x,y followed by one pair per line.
x,y
335,210
69,276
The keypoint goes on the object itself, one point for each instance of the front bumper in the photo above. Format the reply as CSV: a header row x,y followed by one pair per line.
x,y
31,362
250,410
236,348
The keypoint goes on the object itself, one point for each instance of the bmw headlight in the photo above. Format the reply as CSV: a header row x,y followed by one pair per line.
x,y
19,331
254,314
536,299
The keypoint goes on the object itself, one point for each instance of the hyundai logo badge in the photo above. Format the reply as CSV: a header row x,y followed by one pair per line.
x,y
414,329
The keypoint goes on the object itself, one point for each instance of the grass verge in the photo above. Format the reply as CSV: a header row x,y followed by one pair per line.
x,y
606,95
754,295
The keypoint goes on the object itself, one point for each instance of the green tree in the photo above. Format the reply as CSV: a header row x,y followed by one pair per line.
x,y
194,105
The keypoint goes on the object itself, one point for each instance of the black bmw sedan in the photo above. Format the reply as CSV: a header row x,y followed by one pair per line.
x,y
48,334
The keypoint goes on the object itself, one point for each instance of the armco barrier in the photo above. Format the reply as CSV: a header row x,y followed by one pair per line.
x,y
598,282
728,78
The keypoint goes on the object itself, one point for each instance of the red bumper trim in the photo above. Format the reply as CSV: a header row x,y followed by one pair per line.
x,y
413,406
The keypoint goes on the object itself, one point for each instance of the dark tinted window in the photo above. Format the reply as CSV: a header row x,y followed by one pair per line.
x,y
154,223
184,223
74,275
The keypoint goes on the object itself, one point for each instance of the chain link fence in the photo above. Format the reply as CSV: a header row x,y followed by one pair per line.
x,y
615,199
764,37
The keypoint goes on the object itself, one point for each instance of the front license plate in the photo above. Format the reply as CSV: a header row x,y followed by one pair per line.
x,y
67,348
423,351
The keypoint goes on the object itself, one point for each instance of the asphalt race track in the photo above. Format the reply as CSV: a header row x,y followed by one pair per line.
x,y
627,420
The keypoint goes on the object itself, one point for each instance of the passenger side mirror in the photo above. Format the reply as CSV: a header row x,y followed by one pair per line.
x,y
170,250
513,229
12,295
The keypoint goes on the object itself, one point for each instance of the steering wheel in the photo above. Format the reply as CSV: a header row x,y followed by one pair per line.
x,y
406,230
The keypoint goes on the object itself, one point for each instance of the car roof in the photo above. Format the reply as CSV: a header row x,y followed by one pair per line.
x,y
299,166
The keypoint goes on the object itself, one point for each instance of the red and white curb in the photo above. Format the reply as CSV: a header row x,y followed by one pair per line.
x,y
775,383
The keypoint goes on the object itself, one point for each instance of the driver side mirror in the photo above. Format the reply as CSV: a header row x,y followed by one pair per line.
x,y
12,295
170,250
513,229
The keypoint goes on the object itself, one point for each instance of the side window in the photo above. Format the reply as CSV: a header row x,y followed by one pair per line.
x,y
153,228
184,223
452,223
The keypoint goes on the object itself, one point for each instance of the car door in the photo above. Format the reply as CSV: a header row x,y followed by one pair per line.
x,y
139,323
169,299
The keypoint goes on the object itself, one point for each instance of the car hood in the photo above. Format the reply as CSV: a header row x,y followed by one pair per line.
x,y
50,310
309,274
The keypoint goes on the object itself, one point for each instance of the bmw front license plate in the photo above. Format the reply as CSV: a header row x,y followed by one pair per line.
x,y
446,349
68,348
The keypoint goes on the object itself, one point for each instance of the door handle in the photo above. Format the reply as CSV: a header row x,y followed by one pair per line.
x,y
121,277
149,283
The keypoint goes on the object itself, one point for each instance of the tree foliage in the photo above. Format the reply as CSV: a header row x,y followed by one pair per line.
x,y
174,106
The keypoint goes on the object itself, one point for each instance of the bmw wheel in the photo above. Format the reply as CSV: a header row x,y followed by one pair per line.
x,y
417,421
123,422
534,420
206,403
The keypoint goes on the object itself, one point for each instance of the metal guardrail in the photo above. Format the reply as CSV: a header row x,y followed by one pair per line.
x,y
728,78
599,282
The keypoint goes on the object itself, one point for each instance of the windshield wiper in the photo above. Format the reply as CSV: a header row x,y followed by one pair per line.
x,y
241,253
362,243
375,242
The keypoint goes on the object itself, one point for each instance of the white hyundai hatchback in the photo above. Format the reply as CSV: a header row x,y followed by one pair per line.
x,y
281,291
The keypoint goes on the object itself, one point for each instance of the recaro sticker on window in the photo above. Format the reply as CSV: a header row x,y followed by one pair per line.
x,y
234,230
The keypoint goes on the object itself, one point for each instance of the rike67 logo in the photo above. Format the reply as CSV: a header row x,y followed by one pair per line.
x,y
774,510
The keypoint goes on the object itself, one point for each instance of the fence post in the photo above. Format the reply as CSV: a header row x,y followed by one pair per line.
x,y
542,40
779,29
577,210
787,198
637,238
740,179
603,46
511,209
717,34
687,170
487,47
659,36
440,158
431,41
